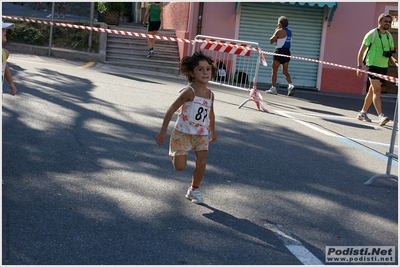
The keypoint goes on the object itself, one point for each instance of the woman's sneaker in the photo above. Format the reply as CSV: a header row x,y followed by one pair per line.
x,y
362,116
194,195
383,119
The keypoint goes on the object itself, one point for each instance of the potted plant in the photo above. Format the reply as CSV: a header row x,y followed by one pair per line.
x,y
111,11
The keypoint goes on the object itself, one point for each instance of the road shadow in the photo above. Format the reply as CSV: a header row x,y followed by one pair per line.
x,y
85,182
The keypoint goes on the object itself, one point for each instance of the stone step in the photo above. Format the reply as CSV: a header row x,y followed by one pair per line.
x,y
140,49
169,61
153,60
140,44
142,64
128,37
140,41
131,51
140,29
167,53
141,53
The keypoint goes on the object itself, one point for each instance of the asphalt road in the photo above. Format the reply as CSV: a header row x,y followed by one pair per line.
x,y
85,182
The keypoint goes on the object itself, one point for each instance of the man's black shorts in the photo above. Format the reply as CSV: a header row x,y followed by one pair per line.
x,y
282,51
154,26
378,70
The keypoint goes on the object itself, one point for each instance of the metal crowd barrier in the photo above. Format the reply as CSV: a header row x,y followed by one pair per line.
x,y
237,66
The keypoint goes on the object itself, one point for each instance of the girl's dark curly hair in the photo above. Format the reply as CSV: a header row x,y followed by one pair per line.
x,y
188,64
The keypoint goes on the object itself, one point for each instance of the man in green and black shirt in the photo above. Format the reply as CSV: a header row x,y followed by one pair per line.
x,y
379,46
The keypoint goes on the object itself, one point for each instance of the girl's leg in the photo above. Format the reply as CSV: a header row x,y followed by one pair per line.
x,y
179,162
193,194
201,162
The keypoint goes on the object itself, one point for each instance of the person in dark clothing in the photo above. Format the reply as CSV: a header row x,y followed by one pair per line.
x,y
153,16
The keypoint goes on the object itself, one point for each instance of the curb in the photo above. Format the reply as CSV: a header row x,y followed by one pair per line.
x,y
55,52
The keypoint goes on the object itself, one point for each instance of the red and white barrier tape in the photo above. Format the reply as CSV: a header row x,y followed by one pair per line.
x,y
99,29
165,38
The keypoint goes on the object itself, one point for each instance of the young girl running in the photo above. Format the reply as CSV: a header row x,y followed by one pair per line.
x,y
194,127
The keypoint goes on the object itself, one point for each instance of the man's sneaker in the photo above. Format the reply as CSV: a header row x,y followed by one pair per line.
x,y
362,116
383,119
151,52
272,90
194,195
290,90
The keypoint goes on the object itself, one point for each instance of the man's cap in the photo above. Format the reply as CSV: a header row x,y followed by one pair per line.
x,y
7,25
383,15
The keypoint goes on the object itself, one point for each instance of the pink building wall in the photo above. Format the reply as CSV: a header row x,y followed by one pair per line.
x,y
176,15
351,21
225,12
219,19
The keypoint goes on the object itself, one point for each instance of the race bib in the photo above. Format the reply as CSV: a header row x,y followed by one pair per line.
x,y
199,113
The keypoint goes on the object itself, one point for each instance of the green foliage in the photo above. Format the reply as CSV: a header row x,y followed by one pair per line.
x,y
127,8
103,7
38,34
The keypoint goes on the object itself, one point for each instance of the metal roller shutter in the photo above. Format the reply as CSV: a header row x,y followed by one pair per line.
x,y
257,24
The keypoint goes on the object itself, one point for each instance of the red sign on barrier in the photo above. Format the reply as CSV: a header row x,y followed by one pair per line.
x,y
226,47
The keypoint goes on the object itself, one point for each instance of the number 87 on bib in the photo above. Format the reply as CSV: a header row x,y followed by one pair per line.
x,y
199,112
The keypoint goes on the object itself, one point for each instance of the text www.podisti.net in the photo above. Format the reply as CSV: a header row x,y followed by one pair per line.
x,y
360,254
